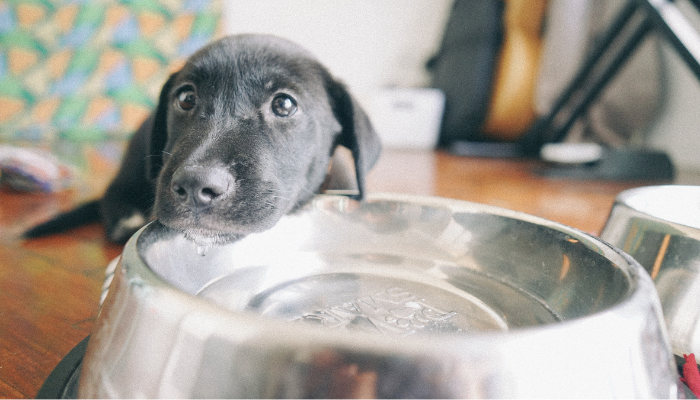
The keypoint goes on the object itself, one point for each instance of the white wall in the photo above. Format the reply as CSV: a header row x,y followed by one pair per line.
x,y
677,129
369,44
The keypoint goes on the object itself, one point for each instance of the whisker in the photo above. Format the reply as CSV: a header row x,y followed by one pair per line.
x,y
158,155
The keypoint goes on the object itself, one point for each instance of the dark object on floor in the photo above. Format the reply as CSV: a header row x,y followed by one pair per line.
x,y
618,165
62,383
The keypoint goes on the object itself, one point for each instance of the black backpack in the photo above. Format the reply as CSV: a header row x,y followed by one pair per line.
x,y
465,65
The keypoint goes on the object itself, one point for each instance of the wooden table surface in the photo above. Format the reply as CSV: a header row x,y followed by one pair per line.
x,y
49,287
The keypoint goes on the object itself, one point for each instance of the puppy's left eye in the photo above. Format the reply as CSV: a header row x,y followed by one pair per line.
x,y
186,100
284,105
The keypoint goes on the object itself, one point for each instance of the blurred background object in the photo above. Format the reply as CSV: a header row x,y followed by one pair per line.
x,y
484,44
91,70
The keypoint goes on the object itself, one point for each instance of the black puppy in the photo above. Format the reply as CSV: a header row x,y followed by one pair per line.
x,y
242,134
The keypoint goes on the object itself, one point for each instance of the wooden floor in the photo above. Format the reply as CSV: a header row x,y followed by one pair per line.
x,y
49,288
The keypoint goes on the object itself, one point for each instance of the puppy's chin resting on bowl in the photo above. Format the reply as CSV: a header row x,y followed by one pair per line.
x,y
208,238
243,134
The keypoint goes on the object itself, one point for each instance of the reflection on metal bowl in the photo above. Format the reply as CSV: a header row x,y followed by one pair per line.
x,y
660,227
398,296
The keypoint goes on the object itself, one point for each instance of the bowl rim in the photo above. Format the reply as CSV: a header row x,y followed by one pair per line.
x,y
636,199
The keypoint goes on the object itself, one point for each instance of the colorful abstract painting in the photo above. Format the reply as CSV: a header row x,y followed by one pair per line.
x,y
92,70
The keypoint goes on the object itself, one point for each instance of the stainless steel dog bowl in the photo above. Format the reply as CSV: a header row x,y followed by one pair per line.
x,y
660,227
398,296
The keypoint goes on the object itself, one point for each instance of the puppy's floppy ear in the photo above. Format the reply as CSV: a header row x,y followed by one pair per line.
x,y
158,131
357,133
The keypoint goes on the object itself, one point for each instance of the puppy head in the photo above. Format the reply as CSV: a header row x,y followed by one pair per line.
x,y
243,134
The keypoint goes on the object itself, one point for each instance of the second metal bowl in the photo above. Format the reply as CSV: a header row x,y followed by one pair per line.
x,y
660,227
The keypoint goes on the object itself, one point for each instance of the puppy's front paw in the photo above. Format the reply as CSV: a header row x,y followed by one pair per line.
x,y
126,226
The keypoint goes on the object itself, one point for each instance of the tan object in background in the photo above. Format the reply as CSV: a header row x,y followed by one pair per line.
x,y
512,110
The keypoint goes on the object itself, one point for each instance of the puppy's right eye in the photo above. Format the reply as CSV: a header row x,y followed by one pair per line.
x,y
186,100
284,105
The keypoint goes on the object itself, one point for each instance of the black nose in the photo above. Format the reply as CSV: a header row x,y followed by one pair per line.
x,y
199,186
